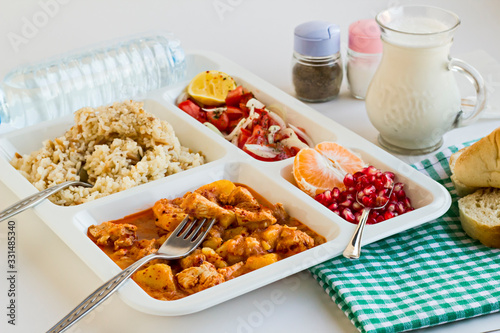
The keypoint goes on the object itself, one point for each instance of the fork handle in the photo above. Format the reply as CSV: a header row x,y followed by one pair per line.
x,y
99,295
35,199
353,249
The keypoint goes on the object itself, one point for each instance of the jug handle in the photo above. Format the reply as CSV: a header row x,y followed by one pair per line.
x,y
477,80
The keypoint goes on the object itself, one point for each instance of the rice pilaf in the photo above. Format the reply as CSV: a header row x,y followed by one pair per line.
x,y
120,146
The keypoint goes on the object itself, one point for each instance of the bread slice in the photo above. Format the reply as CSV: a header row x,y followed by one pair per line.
x,y
461,188
479,165
480,216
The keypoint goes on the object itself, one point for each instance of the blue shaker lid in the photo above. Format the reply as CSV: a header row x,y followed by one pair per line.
x,y
317,39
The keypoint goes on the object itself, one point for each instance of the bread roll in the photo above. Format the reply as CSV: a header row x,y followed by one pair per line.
x,y
480,216
461,188
479,165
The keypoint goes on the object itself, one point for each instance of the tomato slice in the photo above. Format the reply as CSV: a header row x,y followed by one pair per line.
x,y
219,120
243,137
244,100
193,110
258,136
232,125
234,96
234,113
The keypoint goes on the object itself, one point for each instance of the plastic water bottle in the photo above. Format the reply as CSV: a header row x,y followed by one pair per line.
x,y
95,77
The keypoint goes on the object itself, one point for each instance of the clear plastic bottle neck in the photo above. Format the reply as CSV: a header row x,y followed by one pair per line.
x,y
4,115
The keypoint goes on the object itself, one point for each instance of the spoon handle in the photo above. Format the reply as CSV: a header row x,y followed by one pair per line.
x,y
35,199
353,249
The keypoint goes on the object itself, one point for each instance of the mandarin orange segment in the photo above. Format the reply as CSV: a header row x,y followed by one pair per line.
x,y
347,160
314,173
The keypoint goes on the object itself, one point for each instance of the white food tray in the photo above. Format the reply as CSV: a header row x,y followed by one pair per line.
x,y
273,180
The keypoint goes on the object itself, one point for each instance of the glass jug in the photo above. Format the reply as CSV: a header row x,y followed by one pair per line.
x,y
413,98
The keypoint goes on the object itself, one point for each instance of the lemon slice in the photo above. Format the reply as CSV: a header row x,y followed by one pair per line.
x,y
211,87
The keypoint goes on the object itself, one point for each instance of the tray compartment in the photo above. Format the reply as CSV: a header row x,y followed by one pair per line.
x,y
140,198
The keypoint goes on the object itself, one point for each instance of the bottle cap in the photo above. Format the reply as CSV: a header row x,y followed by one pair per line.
x,y
364,37
317,39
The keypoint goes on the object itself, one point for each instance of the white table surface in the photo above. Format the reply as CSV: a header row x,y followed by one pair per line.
x,y
257,35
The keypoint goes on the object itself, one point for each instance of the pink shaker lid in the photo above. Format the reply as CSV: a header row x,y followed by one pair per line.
x,y
364,37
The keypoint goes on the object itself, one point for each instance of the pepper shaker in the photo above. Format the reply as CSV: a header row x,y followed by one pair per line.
x,y
363,55
316,65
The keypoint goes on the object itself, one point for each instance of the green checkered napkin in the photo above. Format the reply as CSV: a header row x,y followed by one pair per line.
x,y
426,276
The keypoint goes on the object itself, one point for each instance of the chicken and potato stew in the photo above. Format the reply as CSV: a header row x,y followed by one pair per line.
x,y
250,233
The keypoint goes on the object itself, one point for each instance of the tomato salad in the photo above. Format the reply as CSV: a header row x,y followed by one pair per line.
x,y
248,124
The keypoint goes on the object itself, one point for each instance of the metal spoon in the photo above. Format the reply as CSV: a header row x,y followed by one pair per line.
x,y
36,198
353,249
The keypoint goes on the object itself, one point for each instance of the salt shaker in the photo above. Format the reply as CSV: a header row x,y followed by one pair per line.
x,y
316,65
363,55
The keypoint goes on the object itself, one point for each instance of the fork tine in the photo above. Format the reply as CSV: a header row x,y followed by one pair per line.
x,y
202,235
181,225
187,229
193,234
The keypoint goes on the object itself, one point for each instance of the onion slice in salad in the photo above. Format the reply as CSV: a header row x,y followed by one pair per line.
x,y
303,135
213,128
219,109
236,131
292,139
278,109
294,142
182,98
255,103
277,118
271,131
262,151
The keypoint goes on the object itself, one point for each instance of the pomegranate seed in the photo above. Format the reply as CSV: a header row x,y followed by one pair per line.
x,y
367,201
407,202
369,190
380,218
391,207
346,203
357,215
362,181
349,180
333,206
349,196
357,175
379,184
398,187
335,193
400,208
386,181
348,215
356,206
388,215
371,220
336,211
371,170
381,200
390,175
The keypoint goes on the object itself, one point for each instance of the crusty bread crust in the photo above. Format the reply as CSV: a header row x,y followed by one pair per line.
x,y
479,165
480,216
462,189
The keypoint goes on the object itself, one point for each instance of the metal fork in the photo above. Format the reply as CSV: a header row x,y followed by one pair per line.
x,y
36,198
180,243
